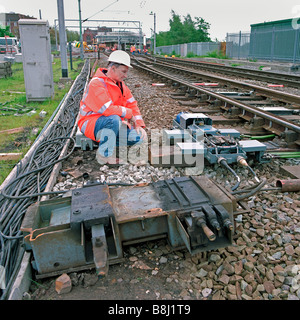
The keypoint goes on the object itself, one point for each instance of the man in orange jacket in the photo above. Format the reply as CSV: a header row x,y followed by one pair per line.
x,y
107,106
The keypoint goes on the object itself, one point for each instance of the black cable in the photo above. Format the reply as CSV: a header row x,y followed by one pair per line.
x,y
224,163
252,171
31,179
252,190
264,189
4,194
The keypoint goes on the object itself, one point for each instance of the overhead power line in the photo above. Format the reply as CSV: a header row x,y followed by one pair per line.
x,y
99,11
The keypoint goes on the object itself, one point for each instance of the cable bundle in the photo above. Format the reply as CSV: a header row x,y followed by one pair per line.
x,y
31,179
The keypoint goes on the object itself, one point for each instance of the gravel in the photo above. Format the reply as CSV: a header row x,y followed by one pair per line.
x,y
262,264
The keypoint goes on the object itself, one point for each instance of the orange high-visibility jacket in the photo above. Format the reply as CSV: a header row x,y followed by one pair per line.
x,y
103,97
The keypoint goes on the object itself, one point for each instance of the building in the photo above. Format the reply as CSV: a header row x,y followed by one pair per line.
x,y
122,39
11,19
89,35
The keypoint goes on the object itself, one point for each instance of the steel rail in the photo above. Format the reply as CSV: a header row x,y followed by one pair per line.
x,y
275,77
256,111
282,96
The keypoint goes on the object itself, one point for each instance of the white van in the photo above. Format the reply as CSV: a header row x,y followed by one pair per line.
x,y
9,45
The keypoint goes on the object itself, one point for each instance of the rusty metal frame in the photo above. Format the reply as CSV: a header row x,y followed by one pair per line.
x,y
59,246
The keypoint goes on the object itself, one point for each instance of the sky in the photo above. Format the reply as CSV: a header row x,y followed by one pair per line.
x,y
224,16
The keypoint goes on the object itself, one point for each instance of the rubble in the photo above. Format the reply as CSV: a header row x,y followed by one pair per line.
x,y
63,284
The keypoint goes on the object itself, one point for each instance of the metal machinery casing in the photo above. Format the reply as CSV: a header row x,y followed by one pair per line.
x,y
91,227
211,142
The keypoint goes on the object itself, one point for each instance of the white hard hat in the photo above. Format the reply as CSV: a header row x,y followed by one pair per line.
x,y
120,57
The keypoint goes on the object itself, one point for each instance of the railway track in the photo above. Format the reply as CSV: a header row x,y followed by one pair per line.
x,y
249,227
226,84
236,99
290,80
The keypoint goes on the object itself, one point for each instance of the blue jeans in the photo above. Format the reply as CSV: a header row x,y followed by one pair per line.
x,y
112,132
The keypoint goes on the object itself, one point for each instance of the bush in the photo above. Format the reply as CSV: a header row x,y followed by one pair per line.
x,y
190,55
174,54
216,54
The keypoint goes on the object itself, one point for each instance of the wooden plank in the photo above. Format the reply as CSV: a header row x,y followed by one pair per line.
x,y
188,103
16,92
183,98
223,120
291,117
10,156
203,110
14,130
291,171
245,98
261,103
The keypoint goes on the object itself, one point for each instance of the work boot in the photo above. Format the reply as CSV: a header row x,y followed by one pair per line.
x,y
110,161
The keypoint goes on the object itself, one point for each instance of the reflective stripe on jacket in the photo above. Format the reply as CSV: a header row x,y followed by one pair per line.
x,y
103,97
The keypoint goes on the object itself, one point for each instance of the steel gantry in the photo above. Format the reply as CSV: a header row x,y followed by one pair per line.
x,y
121,30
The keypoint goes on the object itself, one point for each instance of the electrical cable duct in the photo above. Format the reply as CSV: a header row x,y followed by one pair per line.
x,y
31,179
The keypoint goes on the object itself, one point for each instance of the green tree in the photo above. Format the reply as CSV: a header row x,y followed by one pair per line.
x,y
4,31
52,35
71,35
189,30
202,28
176,29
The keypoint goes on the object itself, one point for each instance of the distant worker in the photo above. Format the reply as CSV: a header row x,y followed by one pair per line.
x,y
108,107
133,49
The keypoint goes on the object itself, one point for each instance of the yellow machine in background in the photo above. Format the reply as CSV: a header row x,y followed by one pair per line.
x,y
86,47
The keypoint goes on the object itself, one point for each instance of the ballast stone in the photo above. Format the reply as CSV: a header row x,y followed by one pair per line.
x,y
63,284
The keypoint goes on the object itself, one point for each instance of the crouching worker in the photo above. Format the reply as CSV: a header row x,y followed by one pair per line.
x,y
109,113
